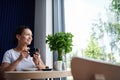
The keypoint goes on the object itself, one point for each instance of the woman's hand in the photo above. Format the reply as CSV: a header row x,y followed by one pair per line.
x,y
38,61
41,67
36,58
23,54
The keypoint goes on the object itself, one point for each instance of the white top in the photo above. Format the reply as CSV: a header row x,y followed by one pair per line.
x,y
11,55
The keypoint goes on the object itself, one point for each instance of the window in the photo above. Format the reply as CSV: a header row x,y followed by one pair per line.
x,y
95,26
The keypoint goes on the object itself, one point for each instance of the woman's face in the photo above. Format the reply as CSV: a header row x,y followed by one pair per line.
x,y
26,37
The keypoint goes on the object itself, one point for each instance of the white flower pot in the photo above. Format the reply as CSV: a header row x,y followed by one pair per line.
x,y
58,65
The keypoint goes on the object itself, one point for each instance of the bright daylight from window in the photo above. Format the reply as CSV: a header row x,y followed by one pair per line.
x,y
96,29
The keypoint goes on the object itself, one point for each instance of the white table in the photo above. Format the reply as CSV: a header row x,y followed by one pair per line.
x,y
36,74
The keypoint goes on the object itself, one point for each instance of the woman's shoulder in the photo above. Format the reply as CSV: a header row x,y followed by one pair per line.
x,y
9,51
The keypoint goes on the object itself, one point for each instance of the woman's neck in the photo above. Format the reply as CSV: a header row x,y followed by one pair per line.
x,y
20,48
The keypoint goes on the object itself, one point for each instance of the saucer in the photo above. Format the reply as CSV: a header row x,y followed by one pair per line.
x,y
29,69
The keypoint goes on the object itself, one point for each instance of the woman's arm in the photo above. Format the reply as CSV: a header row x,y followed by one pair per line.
x,y
38,61
40,64
9,66
12,66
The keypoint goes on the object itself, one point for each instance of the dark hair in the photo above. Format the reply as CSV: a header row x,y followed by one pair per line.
x,y
19,31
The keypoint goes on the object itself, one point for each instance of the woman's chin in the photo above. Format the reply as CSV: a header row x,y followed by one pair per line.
x,y
28,43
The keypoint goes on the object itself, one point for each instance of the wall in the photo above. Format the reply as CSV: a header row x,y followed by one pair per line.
x,y
43,26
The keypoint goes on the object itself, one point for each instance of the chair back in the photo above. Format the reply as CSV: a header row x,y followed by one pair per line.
x,y
84,69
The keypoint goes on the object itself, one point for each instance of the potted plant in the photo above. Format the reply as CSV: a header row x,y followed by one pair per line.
x,y
60,42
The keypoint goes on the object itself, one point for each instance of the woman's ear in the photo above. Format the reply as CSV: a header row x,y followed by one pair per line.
x,y
18,37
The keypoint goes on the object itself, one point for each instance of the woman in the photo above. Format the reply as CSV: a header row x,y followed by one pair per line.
x,y
18,58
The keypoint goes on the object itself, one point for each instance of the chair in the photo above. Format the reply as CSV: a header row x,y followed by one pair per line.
x,y
84,69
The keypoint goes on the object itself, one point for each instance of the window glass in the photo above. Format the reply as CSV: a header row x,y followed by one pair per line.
x,y
95,26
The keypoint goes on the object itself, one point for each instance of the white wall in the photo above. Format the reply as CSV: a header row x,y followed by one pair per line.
x,y
43,27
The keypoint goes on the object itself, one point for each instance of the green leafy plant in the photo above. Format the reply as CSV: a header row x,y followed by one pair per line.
x,y
60,42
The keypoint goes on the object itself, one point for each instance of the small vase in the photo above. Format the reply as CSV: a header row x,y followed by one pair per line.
x,y
58,65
